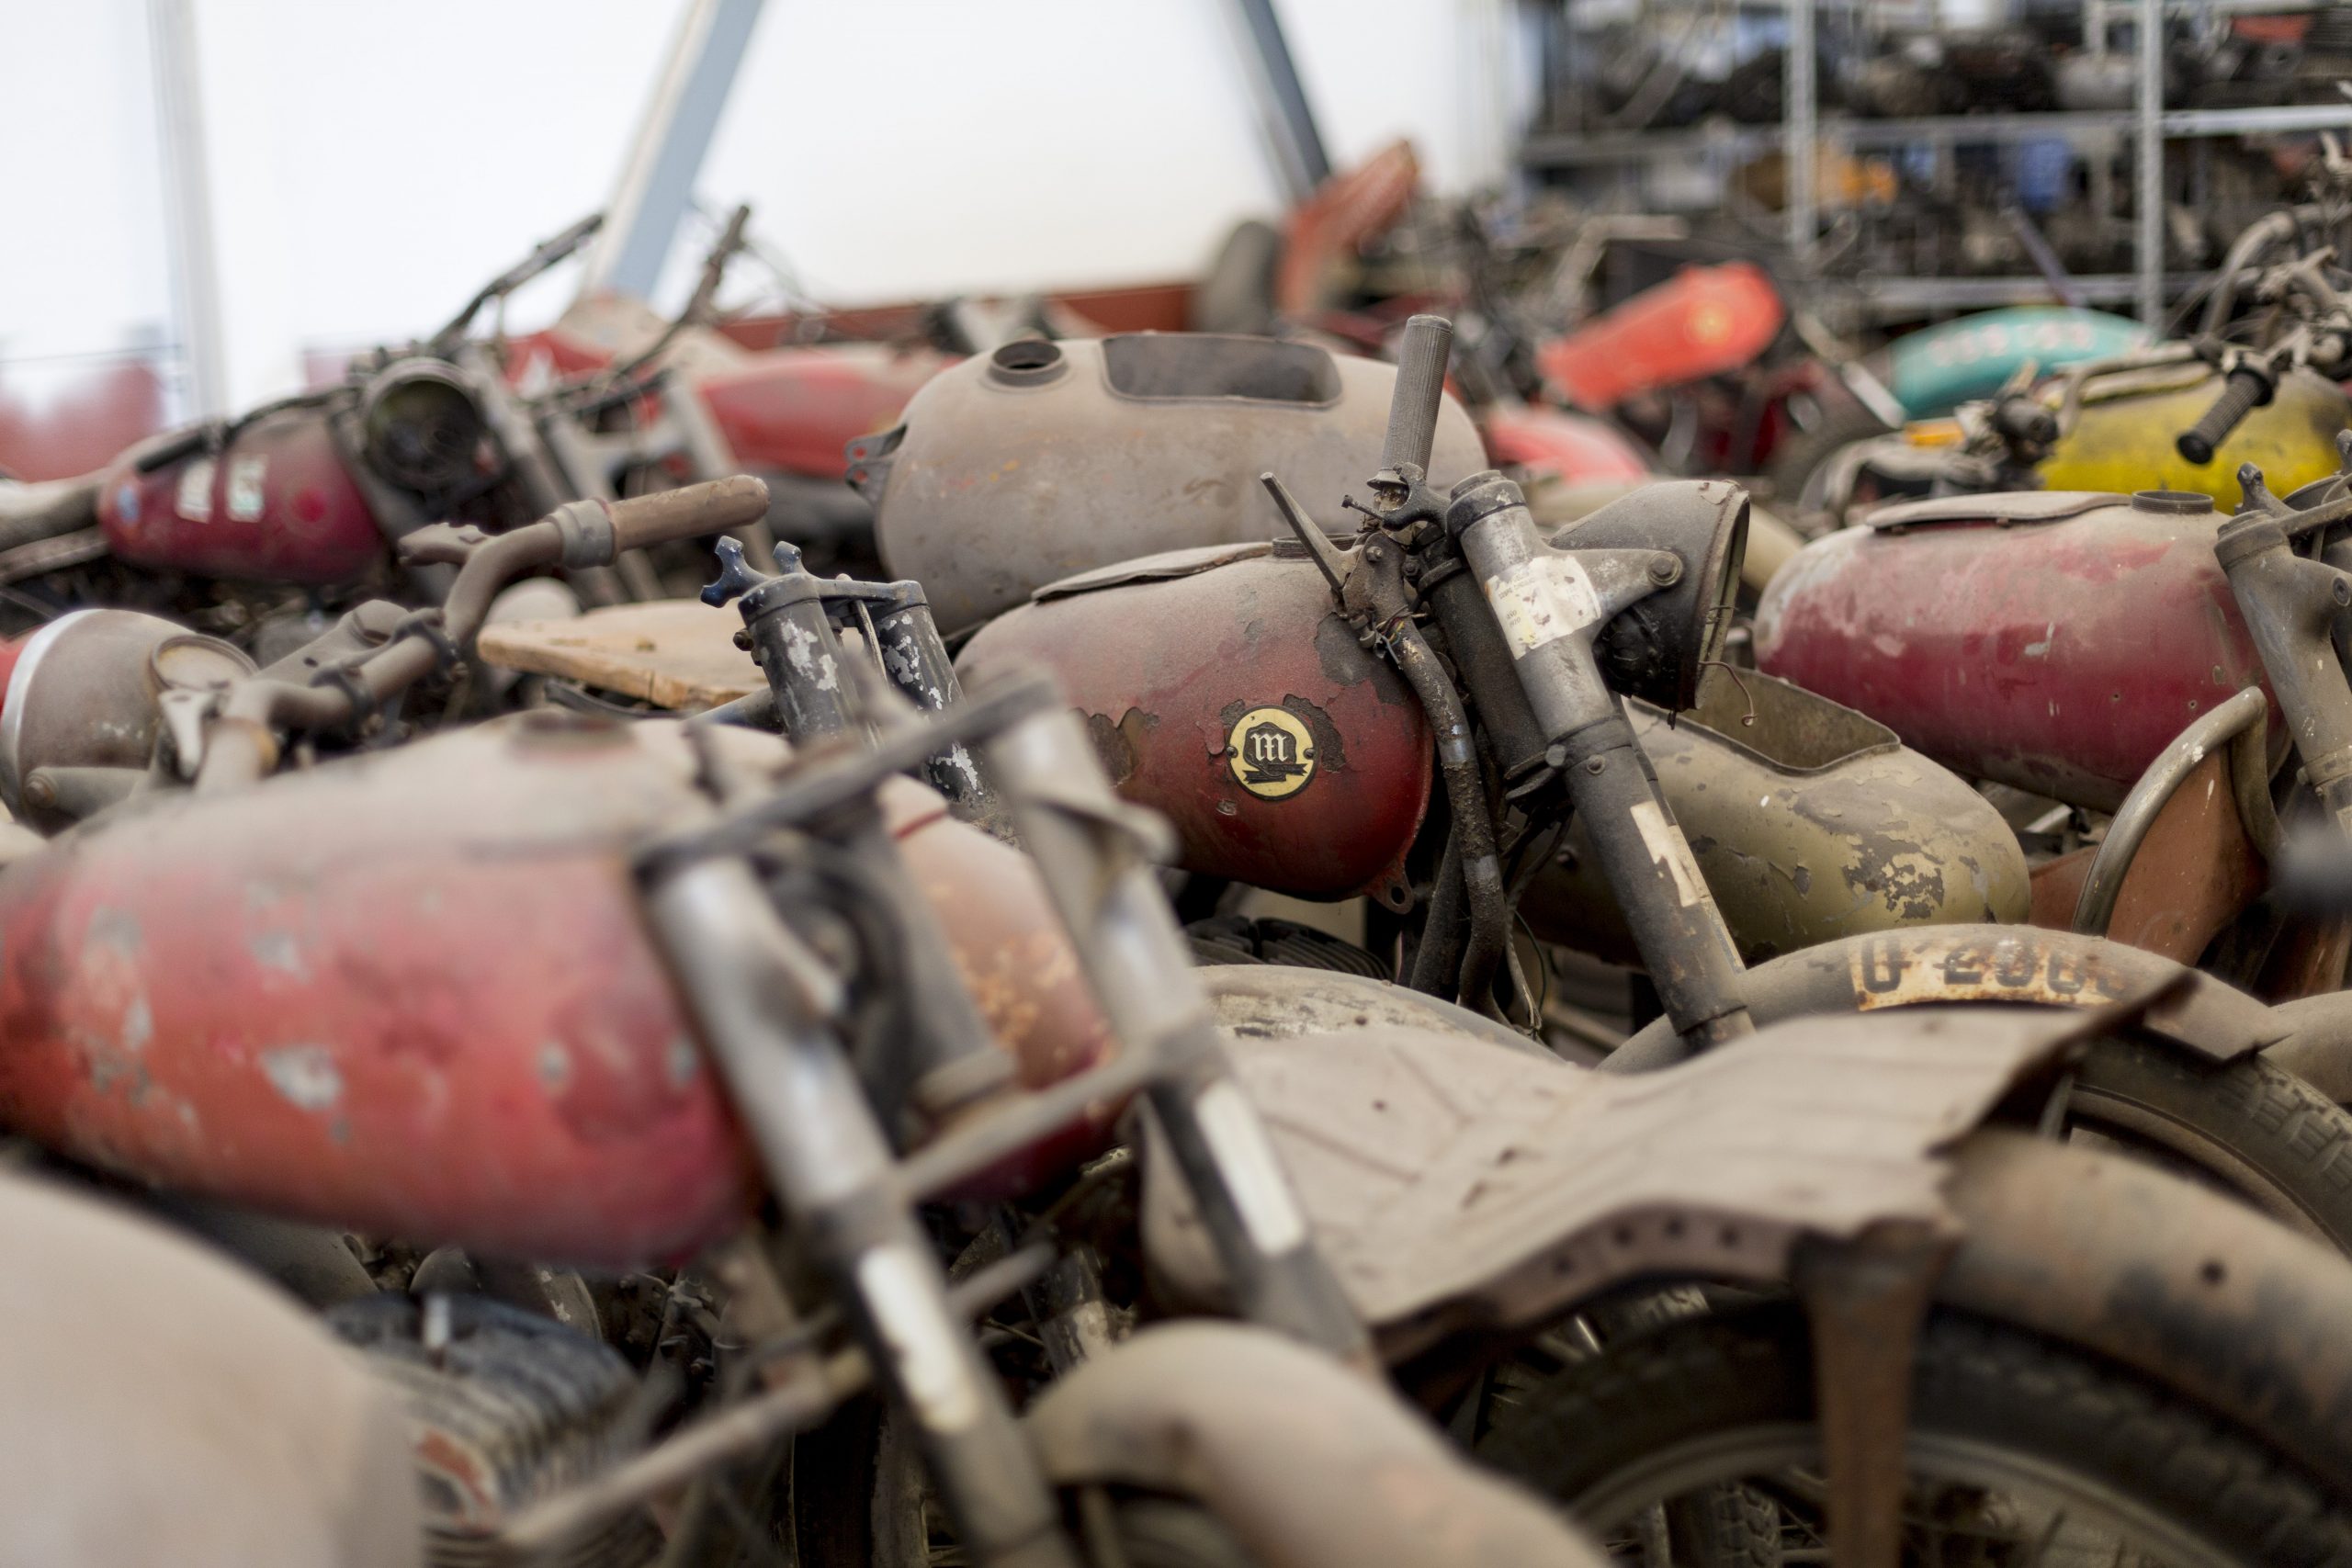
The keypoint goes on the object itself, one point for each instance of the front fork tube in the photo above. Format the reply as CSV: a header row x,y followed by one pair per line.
x,y
1091,851
762,998
1674,923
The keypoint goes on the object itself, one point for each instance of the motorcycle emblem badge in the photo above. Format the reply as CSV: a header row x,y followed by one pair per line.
x,y
1272,752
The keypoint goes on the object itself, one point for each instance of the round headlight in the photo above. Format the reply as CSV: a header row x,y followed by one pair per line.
x,y
1659,647
420,426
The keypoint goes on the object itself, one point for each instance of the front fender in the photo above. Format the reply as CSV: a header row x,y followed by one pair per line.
x,y
1949,965
1305,1462
2162,1276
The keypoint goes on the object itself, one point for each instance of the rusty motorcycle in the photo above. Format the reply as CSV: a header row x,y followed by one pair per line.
x,y
1458,1178
1288,708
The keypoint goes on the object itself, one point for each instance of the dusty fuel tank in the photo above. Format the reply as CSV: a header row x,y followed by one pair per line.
x,y
413,994
2122,438
1811,823
278,504
2051,639
1223,692
1043,459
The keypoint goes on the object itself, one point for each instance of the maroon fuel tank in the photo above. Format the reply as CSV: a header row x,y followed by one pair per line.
x,y
1223,692
2054,640
276,505
413,993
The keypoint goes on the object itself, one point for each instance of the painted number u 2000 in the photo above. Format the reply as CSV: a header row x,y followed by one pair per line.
x,y
1890,971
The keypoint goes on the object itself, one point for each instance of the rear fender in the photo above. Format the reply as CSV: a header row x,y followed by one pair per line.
x,y
1460,1188
1945,965
2163,1277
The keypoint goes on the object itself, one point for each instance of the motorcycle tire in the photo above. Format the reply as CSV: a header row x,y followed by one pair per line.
x,y
1703,1404
2248,1128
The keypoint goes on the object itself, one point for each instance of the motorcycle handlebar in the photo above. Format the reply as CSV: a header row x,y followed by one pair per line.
x,y
2243,391
1420,387
691,512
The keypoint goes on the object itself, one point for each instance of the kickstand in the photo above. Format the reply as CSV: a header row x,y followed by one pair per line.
x,y
1866,1300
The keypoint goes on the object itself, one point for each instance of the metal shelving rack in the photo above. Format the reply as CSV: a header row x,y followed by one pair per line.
x,y
1805,128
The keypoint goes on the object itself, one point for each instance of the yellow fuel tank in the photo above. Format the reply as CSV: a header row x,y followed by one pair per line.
x,y
2122,439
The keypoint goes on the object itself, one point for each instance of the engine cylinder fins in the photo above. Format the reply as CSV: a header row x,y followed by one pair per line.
x,y
504,1408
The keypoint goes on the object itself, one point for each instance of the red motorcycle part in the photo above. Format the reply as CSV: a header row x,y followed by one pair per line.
x,y
1553,444
276,505
796,408
1322,235
1223,693
413,993
2055,640
1701,322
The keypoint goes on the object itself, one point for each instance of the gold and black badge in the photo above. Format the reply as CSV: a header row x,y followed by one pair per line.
x,y
1272,752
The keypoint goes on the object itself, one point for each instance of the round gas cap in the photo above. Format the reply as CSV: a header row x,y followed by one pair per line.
x,y
193,663
2176,502
1026,361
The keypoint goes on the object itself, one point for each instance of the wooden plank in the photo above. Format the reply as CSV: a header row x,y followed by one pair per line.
x,y
674,653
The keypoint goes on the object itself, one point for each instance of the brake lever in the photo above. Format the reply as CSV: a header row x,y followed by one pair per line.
x,y
1328,557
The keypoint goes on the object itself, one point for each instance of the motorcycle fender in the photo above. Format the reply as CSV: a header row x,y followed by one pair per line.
x,y
1305,1460
1939,965
1809,821
2318,1045
1277,1001
2159,1275
1459,1188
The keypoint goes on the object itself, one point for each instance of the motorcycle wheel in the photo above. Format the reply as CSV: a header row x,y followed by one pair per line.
x,y
2021,1451
2249,1129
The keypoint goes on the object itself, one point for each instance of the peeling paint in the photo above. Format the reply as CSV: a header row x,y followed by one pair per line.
x,y
278,951
305,1075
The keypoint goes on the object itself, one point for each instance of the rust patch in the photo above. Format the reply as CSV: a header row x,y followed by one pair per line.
x,y
1896,876
1344,661
1120,746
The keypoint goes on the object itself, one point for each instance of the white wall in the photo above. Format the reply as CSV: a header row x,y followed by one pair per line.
x,y
372,164
81,260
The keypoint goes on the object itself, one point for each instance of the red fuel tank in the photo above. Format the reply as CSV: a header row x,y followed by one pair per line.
x,y
413,993
796,408
1702,322
2052,641
276,505
1223,692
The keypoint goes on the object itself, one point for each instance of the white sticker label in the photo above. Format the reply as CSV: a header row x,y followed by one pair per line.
x,y
194,501
245,490
1672,849
901,1290
1542,601
1238,1139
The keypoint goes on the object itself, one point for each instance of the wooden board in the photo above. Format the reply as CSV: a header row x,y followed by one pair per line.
x,y
674,653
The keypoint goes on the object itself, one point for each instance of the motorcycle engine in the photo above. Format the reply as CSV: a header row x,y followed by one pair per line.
x,y
504,1408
